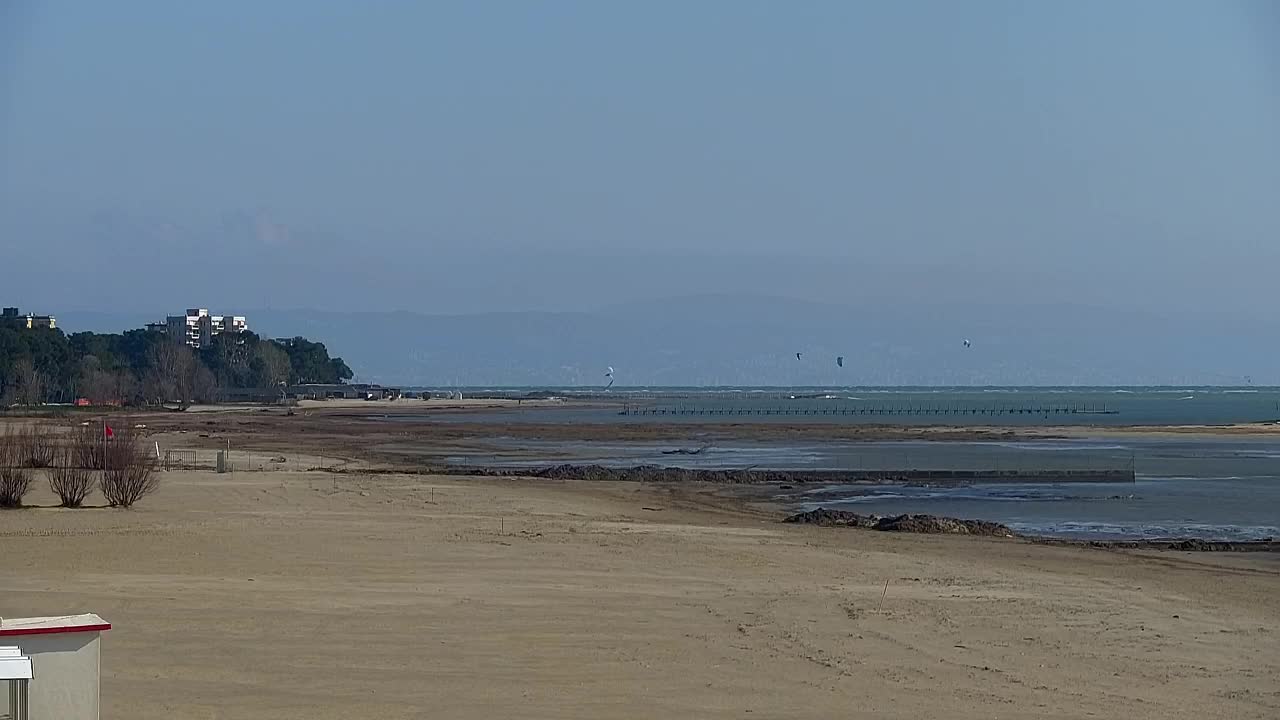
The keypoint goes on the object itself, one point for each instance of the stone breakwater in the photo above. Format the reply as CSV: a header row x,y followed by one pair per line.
x,y
936,524
929,524
755,476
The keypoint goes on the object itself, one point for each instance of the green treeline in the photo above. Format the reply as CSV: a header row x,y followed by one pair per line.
x,y
140,367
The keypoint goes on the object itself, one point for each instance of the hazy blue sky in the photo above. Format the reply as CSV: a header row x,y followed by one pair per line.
x,y
237,154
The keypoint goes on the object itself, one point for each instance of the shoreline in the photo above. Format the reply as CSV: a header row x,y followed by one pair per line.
x,y
782,507
270,439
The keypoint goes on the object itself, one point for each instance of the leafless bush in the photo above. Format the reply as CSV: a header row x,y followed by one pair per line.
x,y
129,472
87,447
70,482
36,446
15,480
14,483
26,383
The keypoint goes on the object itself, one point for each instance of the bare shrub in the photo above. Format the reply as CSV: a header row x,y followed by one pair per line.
x,y
129,472
26,383
37,446
87,447
15,480
14,484
70,482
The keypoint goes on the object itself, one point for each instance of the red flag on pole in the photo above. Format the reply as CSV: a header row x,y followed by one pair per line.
x,y
108,433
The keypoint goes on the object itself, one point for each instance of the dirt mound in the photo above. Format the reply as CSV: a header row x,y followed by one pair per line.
x,y
939,524
834,518
929,524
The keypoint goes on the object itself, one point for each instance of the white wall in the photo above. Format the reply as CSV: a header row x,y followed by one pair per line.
x,y
65,669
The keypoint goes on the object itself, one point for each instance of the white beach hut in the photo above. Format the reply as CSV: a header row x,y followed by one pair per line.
x,y
15,682
65,666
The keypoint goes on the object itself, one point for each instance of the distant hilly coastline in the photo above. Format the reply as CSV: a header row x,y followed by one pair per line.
x,y
752,340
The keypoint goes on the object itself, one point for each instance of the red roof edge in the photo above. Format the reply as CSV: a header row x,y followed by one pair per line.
x,y
9,632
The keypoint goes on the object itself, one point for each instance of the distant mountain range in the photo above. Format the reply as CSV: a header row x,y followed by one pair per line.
x,y
898,318
753,340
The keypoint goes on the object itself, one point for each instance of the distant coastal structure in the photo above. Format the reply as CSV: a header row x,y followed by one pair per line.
x,y
197,327
12,317
316,391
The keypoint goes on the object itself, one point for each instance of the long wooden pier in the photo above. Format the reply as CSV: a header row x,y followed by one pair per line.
x,y
855,410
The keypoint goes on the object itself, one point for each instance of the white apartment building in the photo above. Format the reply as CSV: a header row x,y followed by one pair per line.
x,y
197,328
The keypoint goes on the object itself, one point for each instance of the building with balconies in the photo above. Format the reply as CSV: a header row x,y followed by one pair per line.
x,y
198,328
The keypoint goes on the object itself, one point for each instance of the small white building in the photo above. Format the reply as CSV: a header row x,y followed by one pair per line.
x,y
65,654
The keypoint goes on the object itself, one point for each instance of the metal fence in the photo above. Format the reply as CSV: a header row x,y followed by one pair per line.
x,y
178,460
228,460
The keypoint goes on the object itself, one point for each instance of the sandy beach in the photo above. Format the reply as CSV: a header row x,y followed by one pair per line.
x,y
282,594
